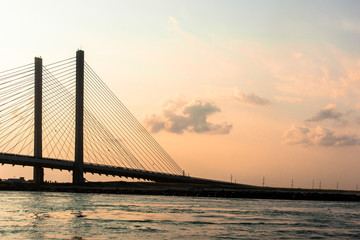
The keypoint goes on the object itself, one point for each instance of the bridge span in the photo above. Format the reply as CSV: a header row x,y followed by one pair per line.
x,y
63,116
14,159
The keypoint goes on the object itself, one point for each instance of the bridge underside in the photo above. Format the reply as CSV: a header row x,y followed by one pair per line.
x,y
105,170
88,168
21,160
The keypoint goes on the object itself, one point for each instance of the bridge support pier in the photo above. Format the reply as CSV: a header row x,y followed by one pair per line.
x,y
38,175
78,171
38,171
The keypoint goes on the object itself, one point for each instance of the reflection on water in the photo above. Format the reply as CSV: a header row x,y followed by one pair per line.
x,y
39,215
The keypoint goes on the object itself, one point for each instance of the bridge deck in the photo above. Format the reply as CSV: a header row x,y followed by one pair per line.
x,y
21,160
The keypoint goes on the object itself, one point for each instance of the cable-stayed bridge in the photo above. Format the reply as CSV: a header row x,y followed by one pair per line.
x,y
63,116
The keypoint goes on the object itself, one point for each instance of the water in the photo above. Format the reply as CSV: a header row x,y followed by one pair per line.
x,y
39,215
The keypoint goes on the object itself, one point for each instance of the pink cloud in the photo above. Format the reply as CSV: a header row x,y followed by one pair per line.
x,y
178,116
317,136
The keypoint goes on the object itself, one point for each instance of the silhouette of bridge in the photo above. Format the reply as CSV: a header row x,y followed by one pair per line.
x,y
63,116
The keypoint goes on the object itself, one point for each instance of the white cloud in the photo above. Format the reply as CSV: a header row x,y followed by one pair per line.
x,y
317,136
179,116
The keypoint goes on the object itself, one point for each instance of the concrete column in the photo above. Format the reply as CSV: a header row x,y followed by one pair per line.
x,y
38,171
78,171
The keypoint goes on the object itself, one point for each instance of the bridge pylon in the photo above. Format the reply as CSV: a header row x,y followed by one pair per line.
x,y
104,139
78,172
78,168
38,171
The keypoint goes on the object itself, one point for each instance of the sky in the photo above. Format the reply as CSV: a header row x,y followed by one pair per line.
x,y
249,89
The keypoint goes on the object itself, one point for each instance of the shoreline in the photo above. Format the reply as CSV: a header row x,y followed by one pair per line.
x,y
193,190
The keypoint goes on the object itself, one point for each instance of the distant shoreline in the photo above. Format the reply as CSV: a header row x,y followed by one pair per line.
x,y
171,189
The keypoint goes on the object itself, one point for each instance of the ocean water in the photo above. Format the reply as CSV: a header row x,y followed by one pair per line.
x,y
41,215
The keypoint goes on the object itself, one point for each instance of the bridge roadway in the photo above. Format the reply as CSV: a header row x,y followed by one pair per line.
x,y
22,160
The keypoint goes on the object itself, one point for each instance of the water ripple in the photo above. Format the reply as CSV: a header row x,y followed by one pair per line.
x,y
36,215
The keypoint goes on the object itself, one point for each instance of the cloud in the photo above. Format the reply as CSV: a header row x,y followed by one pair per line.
x,y
289,99
318,71
329,112
174,22
350,25
179,116
250,98
298,54
317,136
154,123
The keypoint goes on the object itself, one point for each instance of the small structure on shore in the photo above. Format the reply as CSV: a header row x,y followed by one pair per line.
x,y
16,180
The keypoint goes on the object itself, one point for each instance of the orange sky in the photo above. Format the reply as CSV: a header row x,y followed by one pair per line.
x,y
250,89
